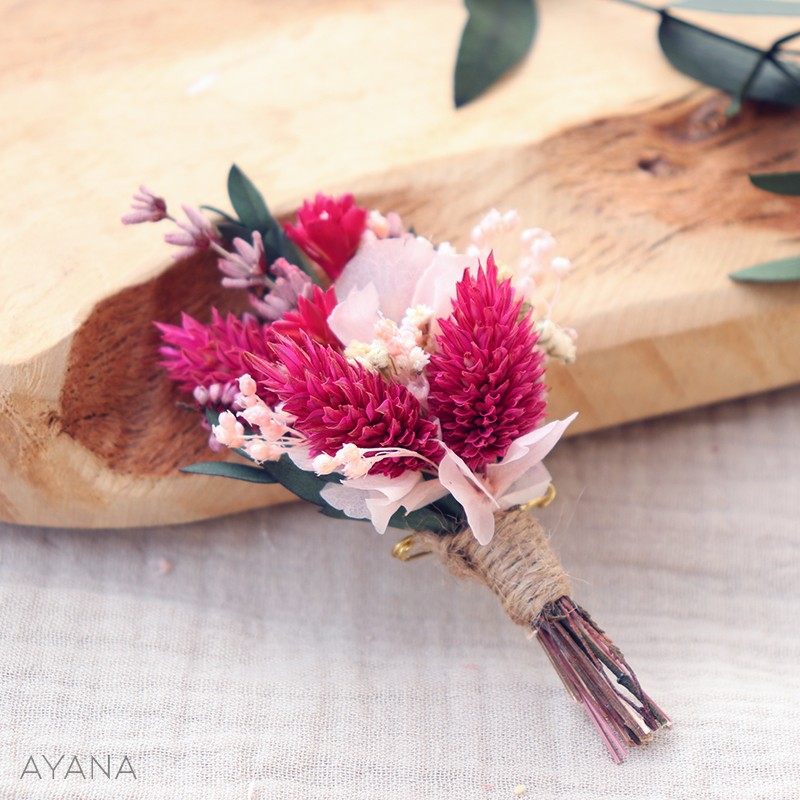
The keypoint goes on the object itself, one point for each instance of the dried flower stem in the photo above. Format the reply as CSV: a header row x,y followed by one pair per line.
x,y
590,664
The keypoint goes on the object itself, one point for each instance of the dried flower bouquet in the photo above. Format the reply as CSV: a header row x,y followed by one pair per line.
x,y
386,378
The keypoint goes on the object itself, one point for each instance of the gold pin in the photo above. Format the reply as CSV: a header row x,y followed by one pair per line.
x,y
544,500
402,550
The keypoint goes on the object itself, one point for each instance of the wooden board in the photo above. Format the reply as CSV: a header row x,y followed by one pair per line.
x,y
595,137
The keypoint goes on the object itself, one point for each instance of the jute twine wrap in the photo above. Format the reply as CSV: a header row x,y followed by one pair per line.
x,y
518,565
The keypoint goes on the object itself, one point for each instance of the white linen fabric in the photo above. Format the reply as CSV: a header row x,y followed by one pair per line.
x,y
287,656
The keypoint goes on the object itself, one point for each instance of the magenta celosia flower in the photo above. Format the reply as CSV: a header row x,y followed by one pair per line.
x,y
146,207
337,403
485,377
310,318
210,356
329,231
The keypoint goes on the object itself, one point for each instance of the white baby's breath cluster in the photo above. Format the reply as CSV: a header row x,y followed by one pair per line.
x,y
275,435
536,273
557,342
397,349
355,462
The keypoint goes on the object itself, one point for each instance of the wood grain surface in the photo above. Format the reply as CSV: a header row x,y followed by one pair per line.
x,y
595,137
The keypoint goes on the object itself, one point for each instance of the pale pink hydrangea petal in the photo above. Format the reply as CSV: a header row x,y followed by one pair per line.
x,y
356,316
524,453
383,503
437,285
423,494
379,497
395,266
469,490
301,458
352,502
531,486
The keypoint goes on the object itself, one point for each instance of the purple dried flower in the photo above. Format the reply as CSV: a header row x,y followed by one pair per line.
x,y
247,267
195,235
147,207
288,285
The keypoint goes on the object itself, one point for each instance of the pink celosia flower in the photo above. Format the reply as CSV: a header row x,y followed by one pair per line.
x,y
288,284
310,318
336,403
329,230
147,207
485,378
195,235
198,355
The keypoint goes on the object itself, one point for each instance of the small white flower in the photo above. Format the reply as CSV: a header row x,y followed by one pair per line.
x,y
229,431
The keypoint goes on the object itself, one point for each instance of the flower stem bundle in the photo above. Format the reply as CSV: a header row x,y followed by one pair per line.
x,y
520,567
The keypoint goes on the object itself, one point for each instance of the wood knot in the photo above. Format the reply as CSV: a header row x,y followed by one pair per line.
x,y
658,165
702,122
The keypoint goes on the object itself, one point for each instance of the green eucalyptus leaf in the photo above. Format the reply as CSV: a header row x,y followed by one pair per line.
x,y
787,183
496,37
248,202
727,64
781,8
783,270
224,469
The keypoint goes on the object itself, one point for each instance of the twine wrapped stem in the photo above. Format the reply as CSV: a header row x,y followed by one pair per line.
x,y
522,570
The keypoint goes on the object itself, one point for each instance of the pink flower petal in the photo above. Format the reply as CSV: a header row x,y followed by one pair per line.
x,y
395,266
436,287
474,497
524,453
379,497
356,315
531,486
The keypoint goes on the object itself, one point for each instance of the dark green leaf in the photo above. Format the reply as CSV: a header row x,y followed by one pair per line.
x,y
424,519
787,183
230,231
333,513
497,36
223,469
254,215
781,8
306,485
223,214
781,271
248,202
728,64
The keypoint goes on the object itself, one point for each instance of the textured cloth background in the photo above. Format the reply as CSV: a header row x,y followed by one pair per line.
x,y
289,656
